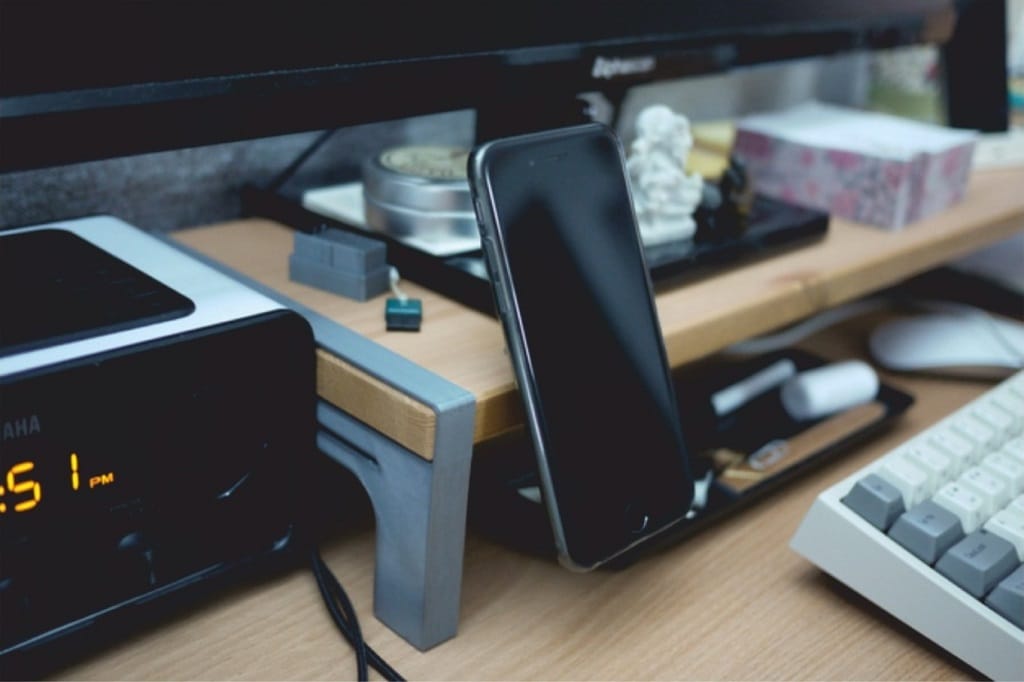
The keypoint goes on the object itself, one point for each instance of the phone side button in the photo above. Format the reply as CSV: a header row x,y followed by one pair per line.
x,y
502,305
488,243
492,258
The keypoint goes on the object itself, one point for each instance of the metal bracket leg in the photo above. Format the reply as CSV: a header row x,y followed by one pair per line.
x,y
420,510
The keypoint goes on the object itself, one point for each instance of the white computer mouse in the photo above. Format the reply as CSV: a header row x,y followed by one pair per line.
x,y
949,341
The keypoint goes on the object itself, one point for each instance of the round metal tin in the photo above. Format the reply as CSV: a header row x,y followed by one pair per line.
x,y
419,177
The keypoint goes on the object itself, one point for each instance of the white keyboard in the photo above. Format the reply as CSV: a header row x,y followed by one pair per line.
x,y
933,532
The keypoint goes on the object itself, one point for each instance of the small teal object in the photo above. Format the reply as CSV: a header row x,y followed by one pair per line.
x,y
403,315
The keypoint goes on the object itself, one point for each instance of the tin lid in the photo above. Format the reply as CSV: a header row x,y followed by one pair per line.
x,y
419,178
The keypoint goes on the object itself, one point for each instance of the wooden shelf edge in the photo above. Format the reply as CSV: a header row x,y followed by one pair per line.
x,y
852,262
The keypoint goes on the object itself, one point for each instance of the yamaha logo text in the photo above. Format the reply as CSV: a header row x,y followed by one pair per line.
x,y
21,427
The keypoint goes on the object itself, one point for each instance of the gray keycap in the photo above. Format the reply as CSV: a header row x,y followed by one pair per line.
x,y
927,531
1008,598
978,562
876,501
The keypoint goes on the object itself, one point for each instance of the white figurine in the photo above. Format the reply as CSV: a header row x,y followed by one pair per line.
x,y
664,194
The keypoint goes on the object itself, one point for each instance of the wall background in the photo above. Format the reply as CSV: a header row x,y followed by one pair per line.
x,y
188,187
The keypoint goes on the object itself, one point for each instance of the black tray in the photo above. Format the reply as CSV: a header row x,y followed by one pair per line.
x,y
502,468
773,227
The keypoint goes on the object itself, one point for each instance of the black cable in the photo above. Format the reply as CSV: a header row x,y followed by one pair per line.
x,y
375,660
344,617
340,608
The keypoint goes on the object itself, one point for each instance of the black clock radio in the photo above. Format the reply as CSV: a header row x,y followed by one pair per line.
x,y
155,420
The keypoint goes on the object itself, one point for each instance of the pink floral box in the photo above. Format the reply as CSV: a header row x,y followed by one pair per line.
x,y
868,167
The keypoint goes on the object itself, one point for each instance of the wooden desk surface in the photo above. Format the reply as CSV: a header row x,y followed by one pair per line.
x,y
697,318
733,602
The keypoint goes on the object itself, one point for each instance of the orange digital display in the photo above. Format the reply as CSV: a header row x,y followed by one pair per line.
x,y
22,491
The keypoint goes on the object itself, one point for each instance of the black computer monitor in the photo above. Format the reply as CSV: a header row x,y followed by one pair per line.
x,y
87,80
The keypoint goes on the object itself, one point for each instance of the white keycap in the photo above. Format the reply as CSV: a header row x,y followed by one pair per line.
x,y
977,431
996,417
963,502
1009,525
1012,405
994,493
1009,400
1015,385
934,462
1007,468
906,477
1017,503
1015,448
962,450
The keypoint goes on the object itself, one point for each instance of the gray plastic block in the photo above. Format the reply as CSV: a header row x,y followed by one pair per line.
x,y
316,274
311,248
340,250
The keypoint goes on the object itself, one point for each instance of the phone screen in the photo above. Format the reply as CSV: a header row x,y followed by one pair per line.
x,y
559,226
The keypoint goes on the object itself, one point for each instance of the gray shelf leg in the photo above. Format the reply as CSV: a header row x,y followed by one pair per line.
x,y
420,509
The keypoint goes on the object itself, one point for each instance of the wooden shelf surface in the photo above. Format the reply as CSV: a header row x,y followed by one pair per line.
x,y
698,318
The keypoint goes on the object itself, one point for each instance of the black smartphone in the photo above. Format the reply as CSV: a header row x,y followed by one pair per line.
x,y
574,295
